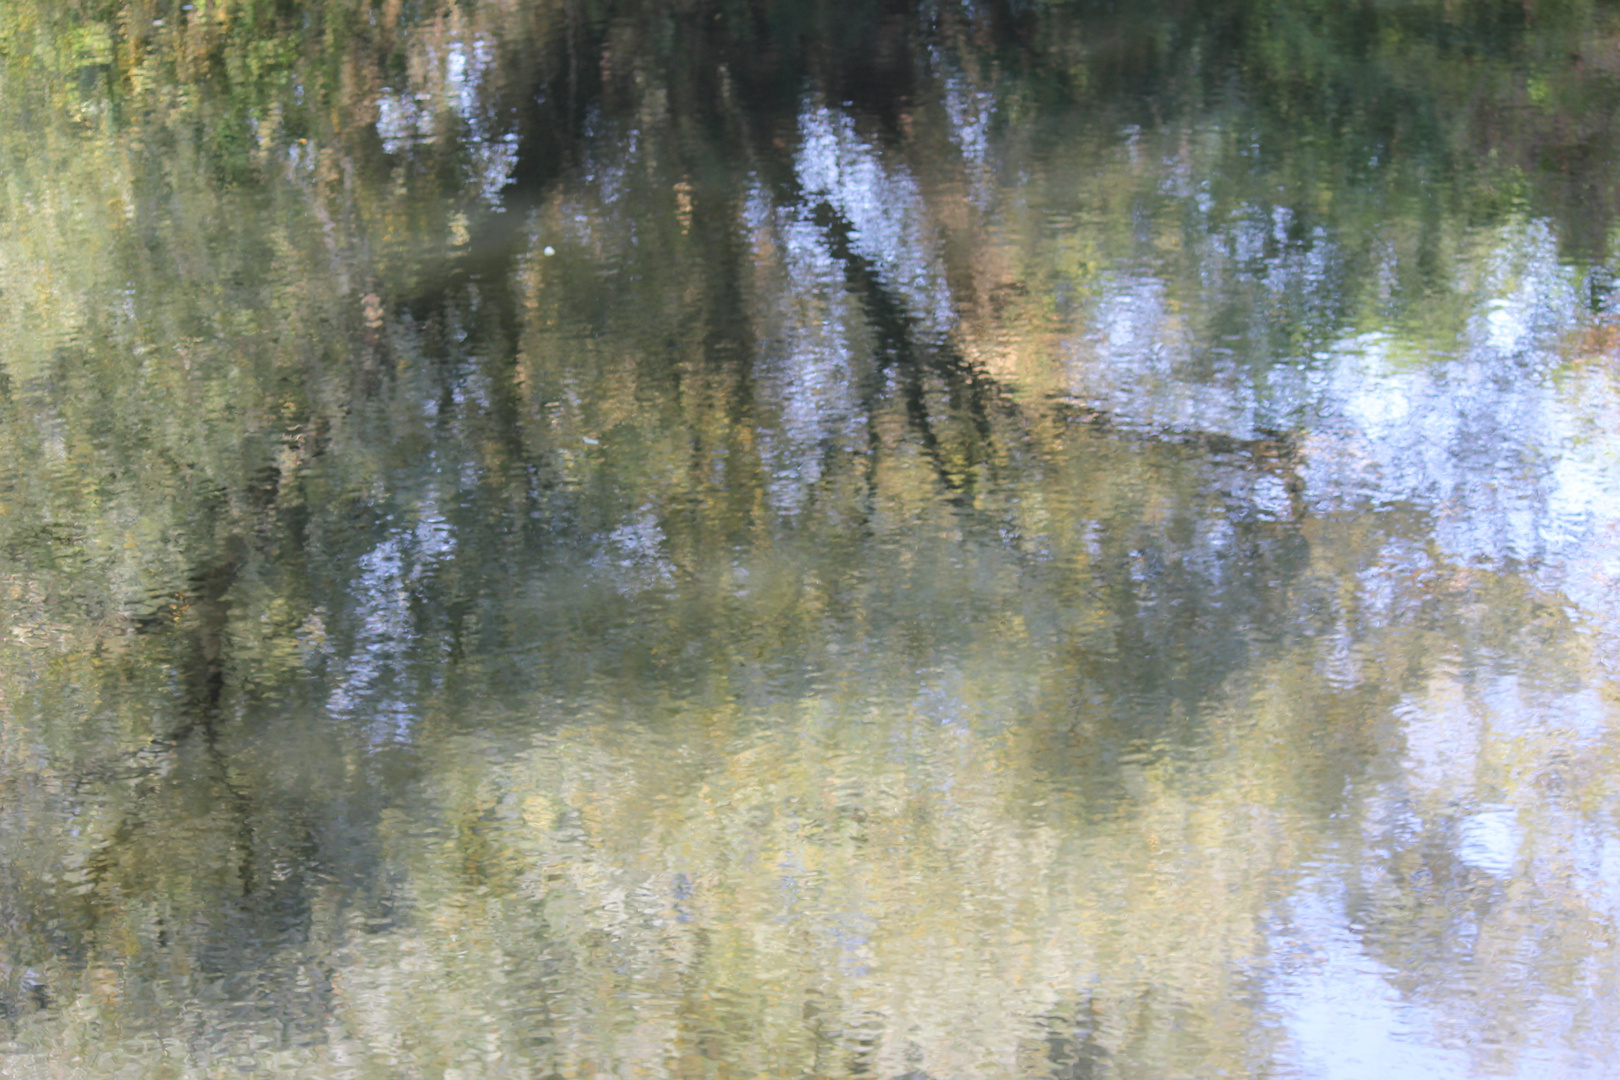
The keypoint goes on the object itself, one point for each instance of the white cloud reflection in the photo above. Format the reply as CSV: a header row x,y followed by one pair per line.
x,y
805,322
374,679
884,206
1507,450
1345,1019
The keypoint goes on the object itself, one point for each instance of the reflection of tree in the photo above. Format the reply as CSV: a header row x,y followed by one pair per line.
x,y
309,409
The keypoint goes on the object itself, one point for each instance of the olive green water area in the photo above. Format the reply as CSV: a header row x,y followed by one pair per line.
x,y
691,538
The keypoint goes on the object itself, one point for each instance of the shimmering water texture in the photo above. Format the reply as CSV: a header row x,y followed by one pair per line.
x,y
794,539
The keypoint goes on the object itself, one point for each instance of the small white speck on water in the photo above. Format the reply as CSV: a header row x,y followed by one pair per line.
x,y
550,250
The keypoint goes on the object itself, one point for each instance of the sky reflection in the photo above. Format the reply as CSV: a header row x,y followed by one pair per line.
x,y
987,541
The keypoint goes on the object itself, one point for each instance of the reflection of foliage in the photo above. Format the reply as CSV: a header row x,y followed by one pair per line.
x,y
325,488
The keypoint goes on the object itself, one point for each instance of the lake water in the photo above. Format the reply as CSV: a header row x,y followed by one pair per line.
x,y
683,538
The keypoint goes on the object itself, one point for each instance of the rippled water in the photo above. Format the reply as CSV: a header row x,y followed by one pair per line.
x,y
623,538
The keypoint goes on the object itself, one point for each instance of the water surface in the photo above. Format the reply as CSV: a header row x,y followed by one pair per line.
x,y
639,539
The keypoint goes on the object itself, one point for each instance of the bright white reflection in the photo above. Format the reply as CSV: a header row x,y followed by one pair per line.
x,y
372,680
403,119
1345,1018
804,320
451,82
1506,450
884,207
1490,840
